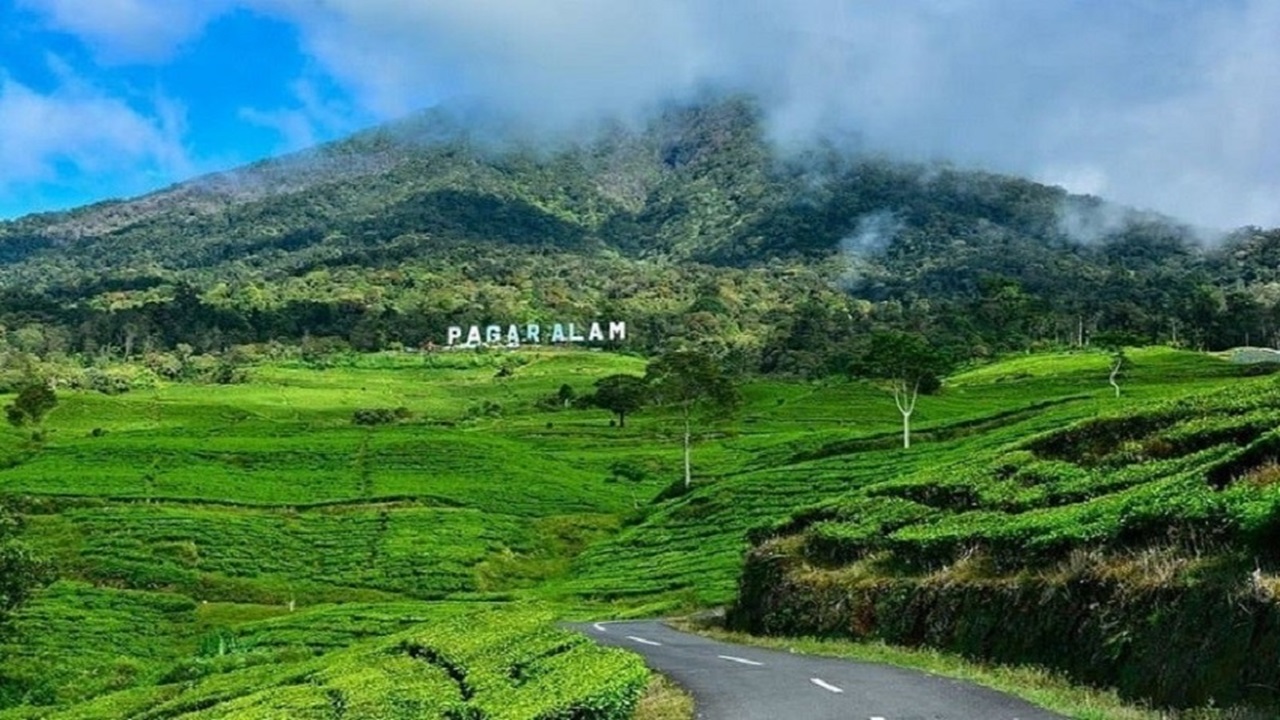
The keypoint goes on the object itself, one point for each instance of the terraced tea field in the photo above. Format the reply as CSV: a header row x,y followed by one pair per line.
x,y
205,533
426,662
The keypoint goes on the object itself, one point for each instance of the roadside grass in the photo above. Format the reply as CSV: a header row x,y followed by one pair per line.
x,y
1038,686
664,700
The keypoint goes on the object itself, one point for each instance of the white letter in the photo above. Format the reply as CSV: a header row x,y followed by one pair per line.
x,y
533,333
573,336
455,334
596,334
513,335
492,334
473,335
557,333
617,331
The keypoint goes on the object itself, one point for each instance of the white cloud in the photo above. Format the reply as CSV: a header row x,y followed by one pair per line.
x,y
1173,106
1207,150
1170,106
129,30
97,136
311,118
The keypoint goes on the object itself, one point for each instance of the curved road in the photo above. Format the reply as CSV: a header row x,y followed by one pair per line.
x,y
734,682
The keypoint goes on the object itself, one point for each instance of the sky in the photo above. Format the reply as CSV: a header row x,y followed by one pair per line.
x,y
1169,105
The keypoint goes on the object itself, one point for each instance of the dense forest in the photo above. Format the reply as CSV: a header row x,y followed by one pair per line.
x,y
693,229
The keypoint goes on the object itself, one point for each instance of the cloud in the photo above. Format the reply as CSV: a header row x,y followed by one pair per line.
x,y
311,117
79,131
554,63
1173,106
122,31
873,234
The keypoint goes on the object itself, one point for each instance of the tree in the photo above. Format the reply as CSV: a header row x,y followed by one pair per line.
x,y
909,364
691,380
566,395
34,401
20,570
621,394
1114,343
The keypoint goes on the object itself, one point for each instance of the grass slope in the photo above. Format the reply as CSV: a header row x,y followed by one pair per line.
x,y
204,513
693,546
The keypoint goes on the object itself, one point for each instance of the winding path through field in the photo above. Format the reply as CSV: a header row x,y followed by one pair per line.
x,y
734,682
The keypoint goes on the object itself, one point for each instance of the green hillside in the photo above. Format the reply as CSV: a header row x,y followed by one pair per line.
x,y
244,480
197,511
692,226
203,533
1134,546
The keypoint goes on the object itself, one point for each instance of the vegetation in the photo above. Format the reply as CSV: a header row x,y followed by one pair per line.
x,y
1169,505
33,402
691,380
664,700
266,490
201,513
909,365
20,569
507,664
621,395
692,228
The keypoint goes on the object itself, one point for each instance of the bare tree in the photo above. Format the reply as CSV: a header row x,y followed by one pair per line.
x,y
908,364
691,380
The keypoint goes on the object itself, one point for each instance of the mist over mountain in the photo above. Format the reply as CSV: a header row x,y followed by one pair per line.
x,y
697,226
1169,106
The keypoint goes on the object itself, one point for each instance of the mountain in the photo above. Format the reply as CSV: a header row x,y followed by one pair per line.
x,y
691,226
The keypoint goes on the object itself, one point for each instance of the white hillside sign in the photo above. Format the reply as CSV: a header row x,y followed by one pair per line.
x,y
512,335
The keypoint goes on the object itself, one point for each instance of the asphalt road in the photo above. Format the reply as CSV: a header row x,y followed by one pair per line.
x,y
734,682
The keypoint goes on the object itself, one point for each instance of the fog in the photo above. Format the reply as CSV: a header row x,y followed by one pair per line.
x,y
1173,106
1169,105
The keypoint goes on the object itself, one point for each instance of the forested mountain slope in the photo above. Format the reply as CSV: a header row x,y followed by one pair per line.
x,y
694,226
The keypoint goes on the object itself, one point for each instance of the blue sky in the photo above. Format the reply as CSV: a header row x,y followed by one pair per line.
x,y
1172,105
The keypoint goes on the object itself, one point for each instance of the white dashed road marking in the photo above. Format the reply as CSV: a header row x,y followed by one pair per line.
x,y
599,628
642,641
744,661
825,685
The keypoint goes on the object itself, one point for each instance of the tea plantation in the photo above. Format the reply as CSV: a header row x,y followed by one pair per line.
x,y
1137,548
255,550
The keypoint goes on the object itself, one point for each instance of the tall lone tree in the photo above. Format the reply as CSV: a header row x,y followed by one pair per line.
x,y
908,364
691,380
621,395
1114,343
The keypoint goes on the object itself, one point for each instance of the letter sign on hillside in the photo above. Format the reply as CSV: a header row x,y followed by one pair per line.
x,y
510,334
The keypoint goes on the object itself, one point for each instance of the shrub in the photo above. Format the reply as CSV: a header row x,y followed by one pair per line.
x,y
380,416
